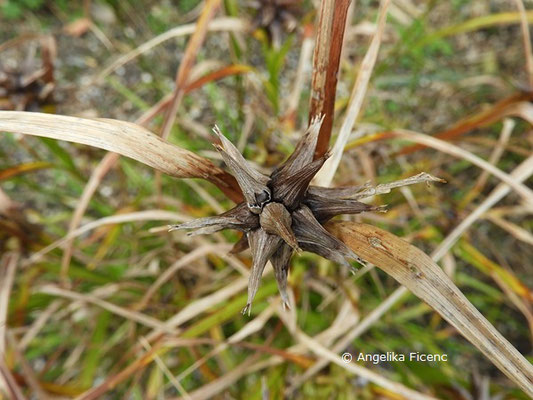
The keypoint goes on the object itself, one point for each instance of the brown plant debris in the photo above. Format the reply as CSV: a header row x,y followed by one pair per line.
x,y
31,86
282,213
275,16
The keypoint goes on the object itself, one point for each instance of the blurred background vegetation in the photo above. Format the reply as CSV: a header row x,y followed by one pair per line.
x,y
441,64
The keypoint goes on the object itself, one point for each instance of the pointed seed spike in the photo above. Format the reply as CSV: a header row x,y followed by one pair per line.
x,y
239,217
329,254
255,193
281,263
387,187
325,208
338,192
276,220
309,231
236,155
304,150
262,245
291,189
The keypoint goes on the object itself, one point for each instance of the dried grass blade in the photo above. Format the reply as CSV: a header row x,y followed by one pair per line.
x,y
516,105
348,338
377,378
507,129
304,64
515,230
39,323
422,276
8,383
325,176
140,363
520,173
109,160
23,168
115,219
219,24
187,62
255,325
123,312
125,138
8,264
30,378
180,263
215,387
521,189
201,305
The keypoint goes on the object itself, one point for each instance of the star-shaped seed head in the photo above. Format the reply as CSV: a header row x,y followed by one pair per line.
x,y
282,213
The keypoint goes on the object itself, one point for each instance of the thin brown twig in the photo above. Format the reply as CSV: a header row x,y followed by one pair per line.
x,y
186,64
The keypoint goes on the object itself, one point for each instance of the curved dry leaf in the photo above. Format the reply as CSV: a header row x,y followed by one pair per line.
x,y
516,105
456,151
125,138
424,278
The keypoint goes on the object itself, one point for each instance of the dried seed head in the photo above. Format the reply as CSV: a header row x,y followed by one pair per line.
x,y
290,189
276,220
282,213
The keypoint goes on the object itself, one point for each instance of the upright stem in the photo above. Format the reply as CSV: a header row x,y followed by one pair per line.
x,y
326,58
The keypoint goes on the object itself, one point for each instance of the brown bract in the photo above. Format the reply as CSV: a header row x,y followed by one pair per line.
x,y
282,213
